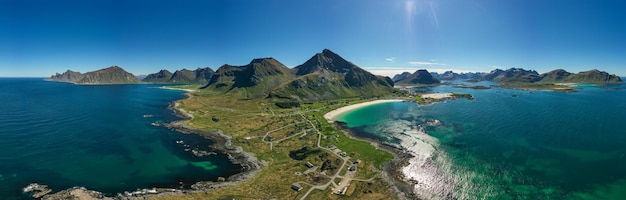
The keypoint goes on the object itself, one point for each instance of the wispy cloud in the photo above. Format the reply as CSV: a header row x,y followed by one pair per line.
x,y
422,63
391,59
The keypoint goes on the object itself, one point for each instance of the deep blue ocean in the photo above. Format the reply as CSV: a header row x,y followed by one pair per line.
x,y
96,136
508,144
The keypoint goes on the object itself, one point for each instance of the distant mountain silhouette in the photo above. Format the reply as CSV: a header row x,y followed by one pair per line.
x,y
110,75
419,77
183,76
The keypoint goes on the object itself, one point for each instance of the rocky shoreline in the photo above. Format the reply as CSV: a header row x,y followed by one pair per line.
x,y
250,165
392,170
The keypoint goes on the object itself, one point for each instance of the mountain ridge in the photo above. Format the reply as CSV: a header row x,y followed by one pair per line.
x,y
110,75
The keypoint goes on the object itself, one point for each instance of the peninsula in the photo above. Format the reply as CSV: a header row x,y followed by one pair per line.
x,y
277,114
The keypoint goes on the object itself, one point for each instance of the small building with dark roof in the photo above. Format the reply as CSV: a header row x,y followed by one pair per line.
x,y
296,187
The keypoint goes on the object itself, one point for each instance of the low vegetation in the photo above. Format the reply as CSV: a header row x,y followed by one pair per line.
x,y
286,138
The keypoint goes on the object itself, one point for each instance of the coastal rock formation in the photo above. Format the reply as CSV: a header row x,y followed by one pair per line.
x,y
420,77
326,75
110,75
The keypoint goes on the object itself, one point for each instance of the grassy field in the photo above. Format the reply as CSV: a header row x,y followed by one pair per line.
x,y
250,122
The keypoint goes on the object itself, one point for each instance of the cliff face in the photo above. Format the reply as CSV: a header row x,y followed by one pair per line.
x,y
111,75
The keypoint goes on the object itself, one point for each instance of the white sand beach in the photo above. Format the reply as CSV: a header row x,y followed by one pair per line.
x,y
330,116
437,95
171,88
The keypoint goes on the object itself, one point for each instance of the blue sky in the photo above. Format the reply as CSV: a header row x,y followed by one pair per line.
x,y
40,38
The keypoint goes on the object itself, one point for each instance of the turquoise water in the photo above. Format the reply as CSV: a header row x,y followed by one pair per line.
x,y
66,135
538,145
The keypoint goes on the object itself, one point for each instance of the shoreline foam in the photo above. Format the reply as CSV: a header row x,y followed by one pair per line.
x,y
330,116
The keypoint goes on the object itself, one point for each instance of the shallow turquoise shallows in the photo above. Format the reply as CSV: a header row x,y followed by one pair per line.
x,y
66,135
509,144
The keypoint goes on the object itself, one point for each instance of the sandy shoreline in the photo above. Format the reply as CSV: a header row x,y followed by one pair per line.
x,y
171,88
330,116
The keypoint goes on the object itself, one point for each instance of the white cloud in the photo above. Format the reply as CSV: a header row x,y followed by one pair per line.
x,y
422,63
391,59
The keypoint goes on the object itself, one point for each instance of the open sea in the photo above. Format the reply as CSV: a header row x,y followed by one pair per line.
x,y
96,136
508,144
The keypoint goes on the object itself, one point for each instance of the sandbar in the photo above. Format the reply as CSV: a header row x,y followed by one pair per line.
x,y
330,116
437,95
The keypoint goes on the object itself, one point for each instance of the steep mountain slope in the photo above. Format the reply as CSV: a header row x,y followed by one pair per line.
x,y
324,76
183,76
327,75
253,80
159,77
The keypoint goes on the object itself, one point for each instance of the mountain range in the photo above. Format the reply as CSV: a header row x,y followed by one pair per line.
x,y
184,76
326,75
514,76
110,75
419,77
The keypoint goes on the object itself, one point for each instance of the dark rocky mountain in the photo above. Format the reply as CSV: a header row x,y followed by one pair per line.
x,y
420,77
513,75
159,77
111,75
183,76
253,80
517,75
401,76
324,76
450,75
